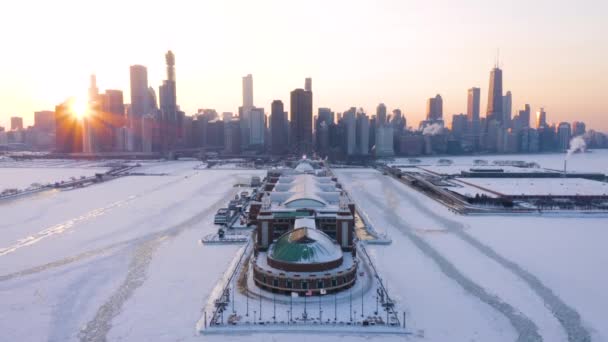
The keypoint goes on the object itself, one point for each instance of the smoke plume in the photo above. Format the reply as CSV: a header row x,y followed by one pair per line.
x,y
433,129
577,144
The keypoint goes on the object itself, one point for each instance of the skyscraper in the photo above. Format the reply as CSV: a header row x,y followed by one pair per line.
x,y
44,121
278,121
257,127
245,109
349,121
362,134
248,92
301,121
170,123
459,125
524,116
578,128
139,90
16,123
308,84
507,102
473,100
434,108
494,111
564,132
109,118
541,118
381,114
93,90
68,129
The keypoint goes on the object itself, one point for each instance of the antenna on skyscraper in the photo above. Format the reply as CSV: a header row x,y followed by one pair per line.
x,y
497,65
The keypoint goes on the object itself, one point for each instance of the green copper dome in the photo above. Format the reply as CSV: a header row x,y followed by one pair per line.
x,y
305,246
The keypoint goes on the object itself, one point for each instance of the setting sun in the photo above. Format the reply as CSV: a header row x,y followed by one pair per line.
x,y
80,108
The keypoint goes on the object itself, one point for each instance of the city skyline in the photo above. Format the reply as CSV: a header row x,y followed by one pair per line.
x,y
395,65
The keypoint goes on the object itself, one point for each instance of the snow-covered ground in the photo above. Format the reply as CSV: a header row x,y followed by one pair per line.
x,y
119,260
544,271
122,261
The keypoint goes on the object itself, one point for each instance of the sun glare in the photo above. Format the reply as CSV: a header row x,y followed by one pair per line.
x,y
80,108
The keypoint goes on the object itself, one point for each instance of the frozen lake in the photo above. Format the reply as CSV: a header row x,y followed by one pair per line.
x,y
122,261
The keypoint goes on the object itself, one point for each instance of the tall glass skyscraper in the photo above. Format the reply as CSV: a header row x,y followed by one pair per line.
x,y
494,111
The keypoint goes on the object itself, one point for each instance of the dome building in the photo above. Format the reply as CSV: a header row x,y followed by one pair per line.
x,y
304,235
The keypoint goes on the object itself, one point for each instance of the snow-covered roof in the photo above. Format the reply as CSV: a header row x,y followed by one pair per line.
x,y
304,166
540,186
305,191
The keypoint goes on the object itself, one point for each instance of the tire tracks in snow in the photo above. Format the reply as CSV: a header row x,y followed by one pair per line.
x,y
98,328
568,317
527,330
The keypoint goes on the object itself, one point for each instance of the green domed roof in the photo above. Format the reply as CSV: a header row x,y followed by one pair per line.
x,y
305,246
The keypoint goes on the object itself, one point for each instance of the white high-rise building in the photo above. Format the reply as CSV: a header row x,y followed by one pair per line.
x,y
247,92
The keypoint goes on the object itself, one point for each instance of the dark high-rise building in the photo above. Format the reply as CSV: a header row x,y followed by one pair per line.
x,y
325,115
578,128
434,108
68,129
113,117
170,116
139,104
139,90
494,111
459,125
474,127
324,123
232,137
507,104
564,133
44,121
301,121
524,116
541,118
16,123
278,123
308,84
381,114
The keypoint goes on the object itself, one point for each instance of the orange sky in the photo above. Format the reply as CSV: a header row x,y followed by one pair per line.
x,y
359,53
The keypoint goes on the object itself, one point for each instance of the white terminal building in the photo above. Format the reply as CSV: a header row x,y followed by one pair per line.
x,y
305,233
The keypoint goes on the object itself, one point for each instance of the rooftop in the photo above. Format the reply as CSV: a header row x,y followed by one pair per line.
x,y
305,246
540,186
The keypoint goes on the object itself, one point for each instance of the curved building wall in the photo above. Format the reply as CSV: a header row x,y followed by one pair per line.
x,y
301,283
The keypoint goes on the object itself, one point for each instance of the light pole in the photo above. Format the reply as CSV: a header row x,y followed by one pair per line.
x,y
350,300
320,310
335,306
361,304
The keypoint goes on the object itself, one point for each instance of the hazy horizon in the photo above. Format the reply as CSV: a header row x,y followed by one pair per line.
x,y
358,53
